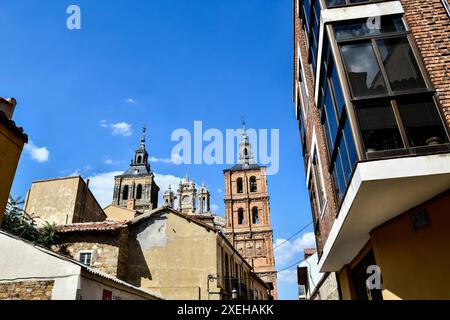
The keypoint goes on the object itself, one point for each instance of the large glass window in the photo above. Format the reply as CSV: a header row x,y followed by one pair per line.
x,y
340,142
393,101
363,70
422,122
378,127
336,3
378,57
400,64
368,27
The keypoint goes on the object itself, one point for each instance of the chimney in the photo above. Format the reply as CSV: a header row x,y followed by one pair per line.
x,y
131,204
8,106
309,252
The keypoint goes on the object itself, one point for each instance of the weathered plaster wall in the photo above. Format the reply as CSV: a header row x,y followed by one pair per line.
x,y
172,256
60,201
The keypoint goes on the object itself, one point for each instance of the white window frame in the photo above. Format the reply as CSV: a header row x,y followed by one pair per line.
x,y
446,6
91,252
315,152
303,98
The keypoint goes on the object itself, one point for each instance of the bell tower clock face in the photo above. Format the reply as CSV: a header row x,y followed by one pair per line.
x,y
186,199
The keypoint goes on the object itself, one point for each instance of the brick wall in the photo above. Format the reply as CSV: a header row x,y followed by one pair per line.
x,y
430,26
313,124
26,290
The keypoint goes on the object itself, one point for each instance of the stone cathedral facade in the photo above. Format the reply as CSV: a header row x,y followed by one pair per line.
x,y
247,214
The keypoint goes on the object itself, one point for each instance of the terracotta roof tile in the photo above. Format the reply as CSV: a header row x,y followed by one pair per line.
x,y
92,226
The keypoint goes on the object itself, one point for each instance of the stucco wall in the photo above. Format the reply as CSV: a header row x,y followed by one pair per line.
x,y
60,201
416,264
93,290
114,213
10,150
173,257
21,261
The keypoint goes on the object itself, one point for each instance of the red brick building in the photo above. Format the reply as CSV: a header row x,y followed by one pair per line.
x,y
371,91
247,214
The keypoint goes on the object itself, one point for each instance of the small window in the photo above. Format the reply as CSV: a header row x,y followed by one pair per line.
x,y
255,215
86,258
125,192
241,216
253,185
139,192
240,186
139,159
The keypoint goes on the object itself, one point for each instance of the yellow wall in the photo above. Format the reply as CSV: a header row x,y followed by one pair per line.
x,y
60,201
114,213
10,150
344,281
414,264
173,257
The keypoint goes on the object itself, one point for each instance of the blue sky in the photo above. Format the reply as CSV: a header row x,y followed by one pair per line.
x,y
161,63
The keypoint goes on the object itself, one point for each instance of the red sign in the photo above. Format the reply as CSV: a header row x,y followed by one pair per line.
x,y
107,295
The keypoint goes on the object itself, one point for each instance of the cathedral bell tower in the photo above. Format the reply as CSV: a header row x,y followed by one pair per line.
x,y
204,200
187,194
169,197
247,213
136,188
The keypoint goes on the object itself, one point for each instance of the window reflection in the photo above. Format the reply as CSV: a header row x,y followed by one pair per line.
x,y
363,70
368,27
400,64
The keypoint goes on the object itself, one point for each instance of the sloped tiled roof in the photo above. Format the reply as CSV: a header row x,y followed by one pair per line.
x,y
91,270
11,125
92,226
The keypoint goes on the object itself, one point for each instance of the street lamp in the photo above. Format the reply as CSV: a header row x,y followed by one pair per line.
x,y
234,294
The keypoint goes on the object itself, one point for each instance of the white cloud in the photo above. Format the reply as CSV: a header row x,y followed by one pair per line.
x,y
119,128
287,277
130,101
289,250
176,159
214,208
102,185
219,190
111,162
39,154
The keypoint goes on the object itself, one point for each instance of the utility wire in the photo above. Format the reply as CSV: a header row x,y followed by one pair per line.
x,y
298,232
291,266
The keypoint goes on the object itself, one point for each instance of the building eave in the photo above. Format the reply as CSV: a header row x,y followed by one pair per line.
x,y
379,191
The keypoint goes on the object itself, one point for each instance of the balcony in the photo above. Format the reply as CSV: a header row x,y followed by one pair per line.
x,y
379,191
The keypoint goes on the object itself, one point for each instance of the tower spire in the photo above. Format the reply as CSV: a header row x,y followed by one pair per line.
x,y
245,148
144,130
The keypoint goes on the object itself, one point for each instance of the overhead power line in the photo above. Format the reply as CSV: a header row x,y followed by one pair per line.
x,y
298,232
